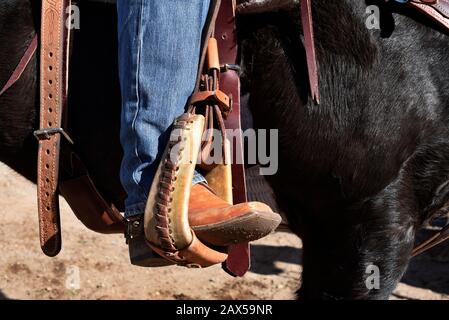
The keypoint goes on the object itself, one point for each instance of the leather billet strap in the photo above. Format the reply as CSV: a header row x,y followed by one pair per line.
x,y
53,95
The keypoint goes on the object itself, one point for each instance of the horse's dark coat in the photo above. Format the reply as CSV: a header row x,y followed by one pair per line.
x,y
359,173
365,168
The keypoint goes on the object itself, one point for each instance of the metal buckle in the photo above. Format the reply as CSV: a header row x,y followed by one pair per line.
x,y
46,133
234,67
134,228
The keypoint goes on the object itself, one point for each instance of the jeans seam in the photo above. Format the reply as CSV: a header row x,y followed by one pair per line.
x,y
138,66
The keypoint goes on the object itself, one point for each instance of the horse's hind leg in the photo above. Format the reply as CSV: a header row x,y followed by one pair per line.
x,y
358,254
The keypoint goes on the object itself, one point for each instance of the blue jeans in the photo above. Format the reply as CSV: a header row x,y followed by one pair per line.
x,y
159,50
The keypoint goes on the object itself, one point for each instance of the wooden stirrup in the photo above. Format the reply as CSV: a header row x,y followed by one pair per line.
x,y
166,222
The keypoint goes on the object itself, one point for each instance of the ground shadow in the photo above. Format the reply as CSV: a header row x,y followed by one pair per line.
x,y
264,258
430,269
3,296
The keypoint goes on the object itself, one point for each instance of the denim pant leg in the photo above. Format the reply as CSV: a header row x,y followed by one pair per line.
x,y
159,49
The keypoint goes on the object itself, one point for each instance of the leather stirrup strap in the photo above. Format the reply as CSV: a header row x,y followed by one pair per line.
x,y
309,44
53,93
207,34
238,262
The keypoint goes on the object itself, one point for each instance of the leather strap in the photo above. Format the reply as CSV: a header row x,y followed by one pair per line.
x,y
238,262
438,238
95,211
195,255
207,34
23,63
309,45
438,10
53,93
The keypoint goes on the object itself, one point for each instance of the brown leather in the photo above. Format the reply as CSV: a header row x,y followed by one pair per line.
x,y
213,96
53,92
218,223
206,211
85,200
238,262
206,35
21,66
212,55
195,255
254,7
77,188
226,35
206,208
309,45
90,207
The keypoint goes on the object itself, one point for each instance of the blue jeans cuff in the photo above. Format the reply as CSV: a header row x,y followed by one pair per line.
x,y
198,178
135,209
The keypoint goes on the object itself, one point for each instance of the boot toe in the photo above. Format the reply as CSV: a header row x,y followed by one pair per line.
x,y
250,226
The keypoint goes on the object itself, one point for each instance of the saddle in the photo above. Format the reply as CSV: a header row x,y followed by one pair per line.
x,y
88,204
78,188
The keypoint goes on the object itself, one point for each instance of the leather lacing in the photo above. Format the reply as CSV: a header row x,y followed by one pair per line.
x,y
169,175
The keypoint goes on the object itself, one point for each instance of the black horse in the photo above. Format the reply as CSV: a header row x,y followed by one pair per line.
x,y
358,174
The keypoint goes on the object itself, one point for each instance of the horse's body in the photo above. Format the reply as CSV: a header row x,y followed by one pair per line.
x,y
358,174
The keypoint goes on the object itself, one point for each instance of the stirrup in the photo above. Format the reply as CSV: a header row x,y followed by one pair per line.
x,y
166,222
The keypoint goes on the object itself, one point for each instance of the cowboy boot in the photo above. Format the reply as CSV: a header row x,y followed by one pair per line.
x,y
172,200
215,222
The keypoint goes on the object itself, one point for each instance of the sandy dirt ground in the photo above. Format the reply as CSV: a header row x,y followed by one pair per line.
x,y
93,266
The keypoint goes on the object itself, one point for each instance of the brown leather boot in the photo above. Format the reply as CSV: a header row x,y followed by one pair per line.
x,y
172,200
218,223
